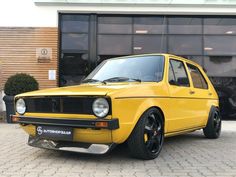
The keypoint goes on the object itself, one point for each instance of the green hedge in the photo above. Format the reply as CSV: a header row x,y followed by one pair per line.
x,y
20,83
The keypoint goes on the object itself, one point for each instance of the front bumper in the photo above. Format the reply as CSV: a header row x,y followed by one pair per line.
x,y
110,124
70,146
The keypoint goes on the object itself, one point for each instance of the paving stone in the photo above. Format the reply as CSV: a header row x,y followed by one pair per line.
x,y
189,155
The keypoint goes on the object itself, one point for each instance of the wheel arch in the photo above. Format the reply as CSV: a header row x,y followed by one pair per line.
x,y
138,143
158,108
210,112
213,127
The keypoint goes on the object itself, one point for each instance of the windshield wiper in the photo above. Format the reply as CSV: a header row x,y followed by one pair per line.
x,y
92,80
120,79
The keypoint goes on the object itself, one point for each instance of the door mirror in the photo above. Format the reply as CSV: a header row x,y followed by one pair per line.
x,y
173,82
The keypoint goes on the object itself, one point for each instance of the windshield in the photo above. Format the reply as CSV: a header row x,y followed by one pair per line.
x,y
140,68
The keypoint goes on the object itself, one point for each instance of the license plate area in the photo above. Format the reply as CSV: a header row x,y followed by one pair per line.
x,y
54,132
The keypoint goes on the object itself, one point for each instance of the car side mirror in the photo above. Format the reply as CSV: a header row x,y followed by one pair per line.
x,y
173,82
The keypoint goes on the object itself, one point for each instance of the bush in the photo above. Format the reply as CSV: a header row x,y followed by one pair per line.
x,y
20,83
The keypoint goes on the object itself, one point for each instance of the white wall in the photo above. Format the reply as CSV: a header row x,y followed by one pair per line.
x,y
25,13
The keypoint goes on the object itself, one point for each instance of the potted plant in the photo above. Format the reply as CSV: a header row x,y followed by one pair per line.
x,y
16,84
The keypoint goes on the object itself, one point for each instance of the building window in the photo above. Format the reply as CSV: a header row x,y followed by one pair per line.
x,y
220,66
75,23
73,41
219,45
226,26
184,25
185,44
196,59
205,40
114,25
149,25
114,44
149,44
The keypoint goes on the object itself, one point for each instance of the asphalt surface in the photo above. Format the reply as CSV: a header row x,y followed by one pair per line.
x,y
185,155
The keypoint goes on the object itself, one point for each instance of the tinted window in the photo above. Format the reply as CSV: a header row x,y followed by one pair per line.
x,y
72,41
114,44
220,45
115,25
196,59
147,68
185,25
221,66
74,67
185,44
180,75
197,77
149,44
149,25
225,26
172,79
75,23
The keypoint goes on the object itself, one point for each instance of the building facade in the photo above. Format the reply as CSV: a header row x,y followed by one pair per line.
x,y
60,41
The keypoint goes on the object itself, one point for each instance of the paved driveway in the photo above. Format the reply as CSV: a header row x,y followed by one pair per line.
x,y
185,155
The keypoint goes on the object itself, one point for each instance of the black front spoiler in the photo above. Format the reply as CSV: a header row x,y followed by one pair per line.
x,y
110,124
71,146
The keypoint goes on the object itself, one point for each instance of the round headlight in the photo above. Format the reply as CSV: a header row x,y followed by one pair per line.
x,y
20,106
100,107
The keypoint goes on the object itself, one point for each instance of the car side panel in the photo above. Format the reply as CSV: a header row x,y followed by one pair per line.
x,y
183,106
184,109
190,106
201,102
205,98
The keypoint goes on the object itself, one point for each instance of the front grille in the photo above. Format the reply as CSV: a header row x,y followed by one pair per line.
x,y
67,105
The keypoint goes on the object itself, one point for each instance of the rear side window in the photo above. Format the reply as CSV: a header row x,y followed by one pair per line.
x,y
177,73
197,77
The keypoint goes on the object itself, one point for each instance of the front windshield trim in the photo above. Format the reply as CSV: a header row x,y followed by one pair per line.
x,y
91,75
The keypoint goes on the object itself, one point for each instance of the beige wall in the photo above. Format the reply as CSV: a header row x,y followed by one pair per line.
x,y
18,53
0,73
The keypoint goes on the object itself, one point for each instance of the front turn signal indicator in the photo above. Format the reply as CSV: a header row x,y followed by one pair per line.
x,y
101,124
14,118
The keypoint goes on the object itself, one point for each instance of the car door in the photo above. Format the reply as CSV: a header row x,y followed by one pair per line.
x,y
182,106
200,94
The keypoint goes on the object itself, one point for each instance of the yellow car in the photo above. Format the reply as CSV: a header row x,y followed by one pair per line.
x,y
137,99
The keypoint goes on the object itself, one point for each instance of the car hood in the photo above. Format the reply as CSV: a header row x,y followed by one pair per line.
x,y
90,89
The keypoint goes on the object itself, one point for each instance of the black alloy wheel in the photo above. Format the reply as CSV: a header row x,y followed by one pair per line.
x,y
147,138
213,127
217,122
153,136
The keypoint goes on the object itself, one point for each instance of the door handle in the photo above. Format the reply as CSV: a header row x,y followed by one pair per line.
x,y
191,92
209,94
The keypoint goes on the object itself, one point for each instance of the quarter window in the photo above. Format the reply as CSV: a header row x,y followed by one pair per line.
x,y
197,77
177,74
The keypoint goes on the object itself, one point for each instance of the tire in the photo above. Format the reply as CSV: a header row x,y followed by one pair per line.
x,y
213,127
146,140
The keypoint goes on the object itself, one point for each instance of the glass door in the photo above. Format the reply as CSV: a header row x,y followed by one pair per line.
x,y
74,58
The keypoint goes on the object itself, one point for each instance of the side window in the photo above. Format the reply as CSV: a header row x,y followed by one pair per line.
x,y
172,79
197,77
177,73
